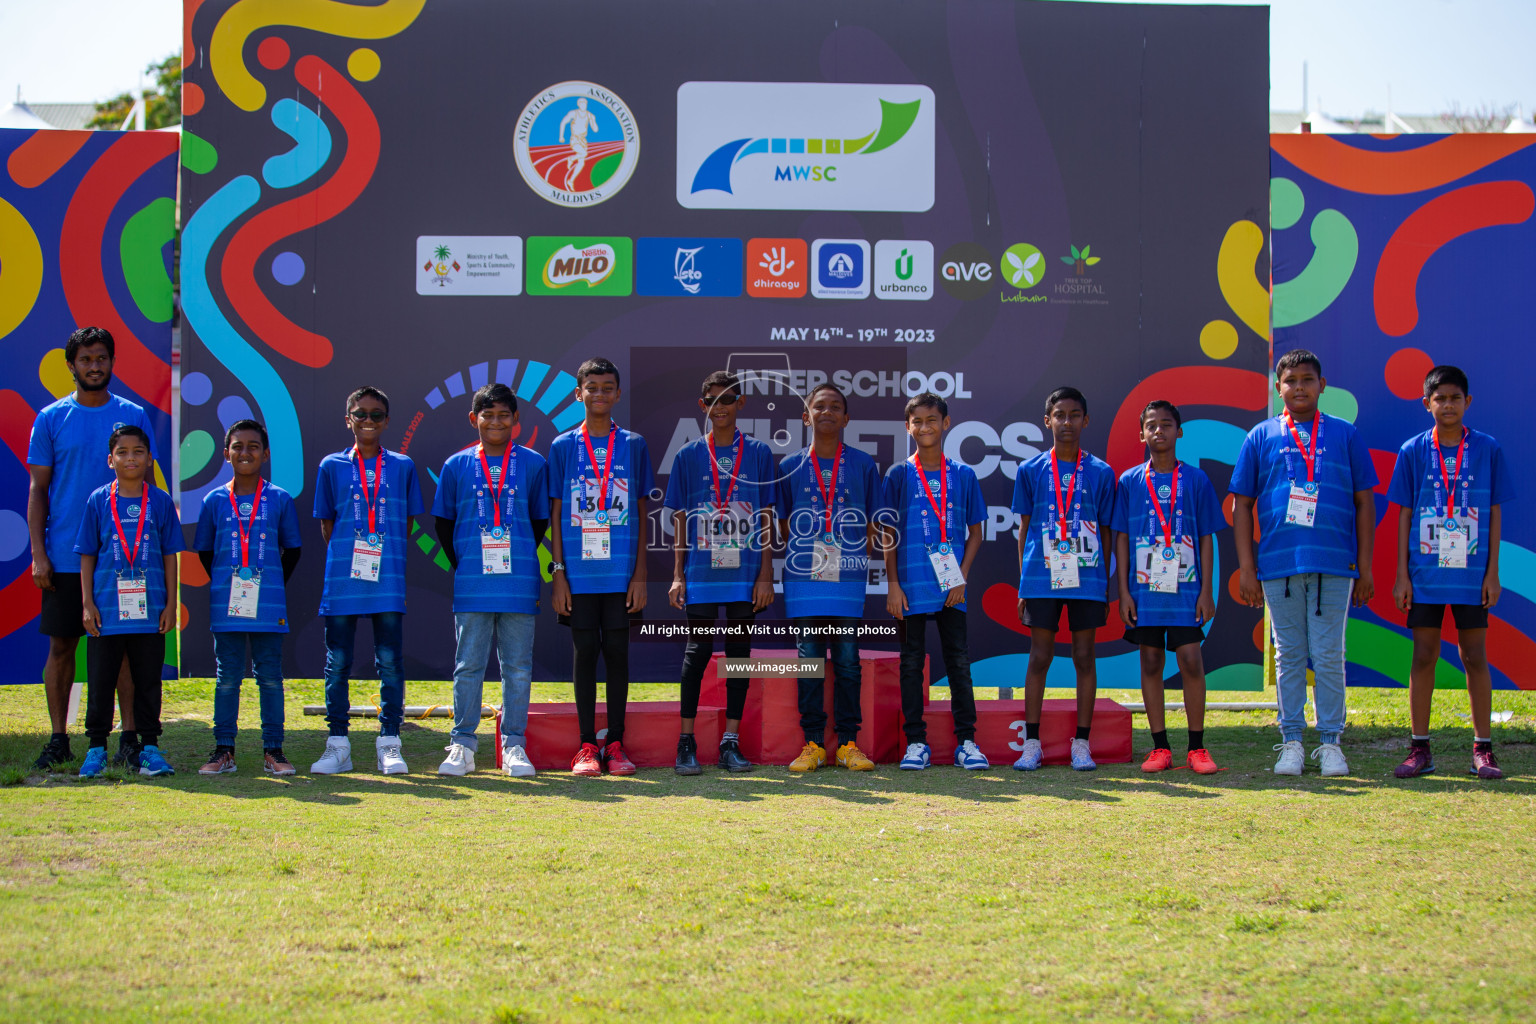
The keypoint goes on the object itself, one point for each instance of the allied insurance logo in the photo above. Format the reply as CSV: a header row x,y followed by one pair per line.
x,y
576,143
579,266
805,146
840,268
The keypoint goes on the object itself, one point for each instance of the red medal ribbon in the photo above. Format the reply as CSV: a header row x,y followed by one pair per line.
x,y
943,502
605,476
1450,492
245,529
378,483
828,494
1064,502
1310,457
1173,503
714,467
496,485
138,537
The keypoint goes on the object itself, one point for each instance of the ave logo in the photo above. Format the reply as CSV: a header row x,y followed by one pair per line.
x,y
966,271
777,268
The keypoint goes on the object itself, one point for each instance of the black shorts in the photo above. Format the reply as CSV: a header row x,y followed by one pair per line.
x,y
599,611
735,611
1045,613
1466,616
63,608
1173,637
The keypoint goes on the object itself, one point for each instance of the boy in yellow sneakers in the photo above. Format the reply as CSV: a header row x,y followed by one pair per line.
x,y
829,497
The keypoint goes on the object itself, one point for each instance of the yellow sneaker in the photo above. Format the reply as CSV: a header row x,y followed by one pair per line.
x,y
851,757
811,758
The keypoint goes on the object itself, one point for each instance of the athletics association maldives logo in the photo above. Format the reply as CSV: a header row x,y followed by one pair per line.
x,y
577,144
805,146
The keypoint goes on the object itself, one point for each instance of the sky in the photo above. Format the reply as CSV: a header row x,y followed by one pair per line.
x,y
1422,56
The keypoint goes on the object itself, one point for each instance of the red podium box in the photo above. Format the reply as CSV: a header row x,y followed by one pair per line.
x,y
770,725
1000,731
650,733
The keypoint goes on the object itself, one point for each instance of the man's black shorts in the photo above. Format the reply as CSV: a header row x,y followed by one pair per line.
x,y
599,611
63,608
1466,616
1045,613
1173,637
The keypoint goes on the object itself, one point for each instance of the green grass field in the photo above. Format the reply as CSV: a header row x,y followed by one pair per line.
x,y
888,896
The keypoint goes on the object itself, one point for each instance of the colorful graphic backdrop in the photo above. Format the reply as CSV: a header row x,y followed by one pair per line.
x,y
1393,255
1085,201
86,223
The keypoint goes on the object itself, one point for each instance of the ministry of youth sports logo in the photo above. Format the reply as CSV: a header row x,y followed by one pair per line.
x,y
577,144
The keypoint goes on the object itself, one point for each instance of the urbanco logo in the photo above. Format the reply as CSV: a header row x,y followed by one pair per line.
x,y
805,146
576,144
903,269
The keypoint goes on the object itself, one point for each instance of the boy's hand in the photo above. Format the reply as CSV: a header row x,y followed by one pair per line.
x,y
1365,588
762,594
636,599
1021,611
1491,590
1205,608
1402,594
677,594
895,600
956,596
560,595
1248,589
167,619
1128,610
42,571
92,619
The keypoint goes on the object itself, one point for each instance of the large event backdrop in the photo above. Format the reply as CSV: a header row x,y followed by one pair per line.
x,y
86,225
1392,255
391,194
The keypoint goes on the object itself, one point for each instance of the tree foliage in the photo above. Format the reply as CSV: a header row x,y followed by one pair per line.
x,y
162,107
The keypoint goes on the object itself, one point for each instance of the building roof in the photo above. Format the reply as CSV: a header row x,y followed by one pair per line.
x,y
65,115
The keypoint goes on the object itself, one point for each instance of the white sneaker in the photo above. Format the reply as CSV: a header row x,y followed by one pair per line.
x,y
388,750
1291,758
514,761
460,760
1331,758
336,759
1030,759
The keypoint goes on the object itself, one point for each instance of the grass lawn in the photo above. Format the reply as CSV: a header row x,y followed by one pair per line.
x,y
840,897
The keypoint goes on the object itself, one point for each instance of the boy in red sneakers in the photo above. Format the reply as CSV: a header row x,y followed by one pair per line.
x,y
1170,512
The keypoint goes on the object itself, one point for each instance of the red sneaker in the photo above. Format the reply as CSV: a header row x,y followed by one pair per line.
x,y
585,761
1200,762
618,763
1483,764
1160,760
1418,762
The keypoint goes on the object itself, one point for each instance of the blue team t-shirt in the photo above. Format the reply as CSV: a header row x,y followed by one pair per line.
x,y
691,489
574,482
464,496
71,439
98,536
275,527
917,526
1343,466
339,497
1198,514
857,502
1090,508
1417,485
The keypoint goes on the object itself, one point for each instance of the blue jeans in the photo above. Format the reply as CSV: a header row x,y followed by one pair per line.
x,y
1307,616
340,632
512,633
266,666
847,675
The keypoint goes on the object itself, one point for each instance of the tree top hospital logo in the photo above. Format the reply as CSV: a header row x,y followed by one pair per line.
x,y
805,146
576,143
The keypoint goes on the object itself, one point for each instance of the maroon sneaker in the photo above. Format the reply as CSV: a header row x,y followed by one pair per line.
x,y
1483,764
1418,762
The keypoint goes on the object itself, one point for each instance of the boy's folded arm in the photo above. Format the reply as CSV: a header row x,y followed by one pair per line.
x,y
445,538
540,527
290,559
206,557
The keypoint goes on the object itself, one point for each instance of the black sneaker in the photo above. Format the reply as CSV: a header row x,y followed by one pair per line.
x,y
127,755
687,762
731,759
55,751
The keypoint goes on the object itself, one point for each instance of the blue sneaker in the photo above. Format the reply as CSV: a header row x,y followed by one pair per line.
x,y
94,764
1080,760
152,762
1031,758
969,756
917,757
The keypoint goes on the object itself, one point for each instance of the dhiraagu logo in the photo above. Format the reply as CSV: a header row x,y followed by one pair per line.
x,y
805,146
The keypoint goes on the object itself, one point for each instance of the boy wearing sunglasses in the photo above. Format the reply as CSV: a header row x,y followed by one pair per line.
x,y
364,498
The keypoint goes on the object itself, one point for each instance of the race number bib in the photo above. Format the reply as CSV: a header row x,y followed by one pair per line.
x,y
495,551
1085,546
132,598
1301,508
244,596
1063,566
1163,575
367,557
946,567
1432,531
826,561
724,534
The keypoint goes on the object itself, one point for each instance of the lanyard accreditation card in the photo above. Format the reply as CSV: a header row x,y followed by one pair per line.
x,y
132,586
826,550
245,581
368,548
496,536
1060,559
729,522
595,540
946,567
1456,534
1301,507
1157,565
